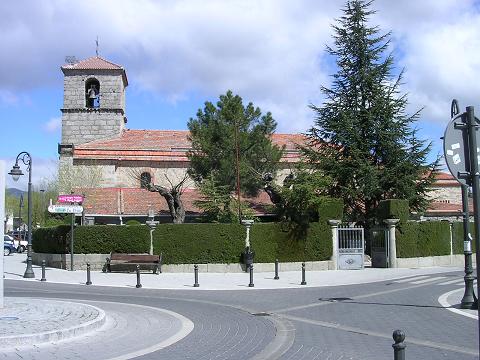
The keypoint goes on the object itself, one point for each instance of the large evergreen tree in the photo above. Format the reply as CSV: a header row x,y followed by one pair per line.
x,y
362,137
220,132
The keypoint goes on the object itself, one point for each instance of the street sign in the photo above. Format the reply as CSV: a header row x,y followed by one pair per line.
x,y
455,148
70,198
65,209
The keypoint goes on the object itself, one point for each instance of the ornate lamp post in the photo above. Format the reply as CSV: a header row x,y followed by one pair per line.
x,y
16,173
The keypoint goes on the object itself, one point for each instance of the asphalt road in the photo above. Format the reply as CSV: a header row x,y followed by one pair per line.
x,y
343,322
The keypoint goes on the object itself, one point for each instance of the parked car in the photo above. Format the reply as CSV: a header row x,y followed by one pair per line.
x,y
8,248
19,243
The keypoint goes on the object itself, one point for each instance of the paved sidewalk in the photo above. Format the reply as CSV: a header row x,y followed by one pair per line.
x,y
15,268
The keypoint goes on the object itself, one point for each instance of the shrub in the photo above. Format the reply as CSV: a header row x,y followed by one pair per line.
x,y
393,209
51,240
133,222
418,239
457,237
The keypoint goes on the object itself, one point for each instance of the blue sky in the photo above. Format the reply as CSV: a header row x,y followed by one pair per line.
x,y
178,54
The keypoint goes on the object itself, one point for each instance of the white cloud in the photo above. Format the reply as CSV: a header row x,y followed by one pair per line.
x,y
270,52
53,125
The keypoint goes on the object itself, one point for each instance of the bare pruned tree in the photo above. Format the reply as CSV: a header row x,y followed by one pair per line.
x,y
172,193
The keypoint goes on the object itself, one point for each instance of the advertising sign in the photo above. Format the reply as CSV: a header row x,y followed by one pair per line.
x,y
70,198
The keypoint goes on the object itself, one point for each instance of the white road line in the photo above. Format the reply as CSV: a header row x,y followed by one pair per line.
x,y
456,282
443,301
428,280
411,278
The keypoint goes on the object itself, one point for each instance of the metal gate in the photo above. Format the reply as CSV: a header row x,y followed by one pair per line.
x,y
379,241
350,248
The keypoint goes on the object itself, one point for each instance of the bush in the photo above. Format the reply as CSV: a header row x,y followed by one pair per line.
x,y
419,239
224,243
133,222
330,209
51,240
457,237
103,239
393,209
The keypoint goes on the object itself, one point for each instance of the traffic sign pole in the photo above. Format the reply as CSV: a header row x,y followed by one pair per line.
x,y
474,177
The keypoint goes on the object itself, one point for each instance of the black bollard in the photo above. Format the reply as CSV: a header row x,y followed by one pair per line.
x,y
195,270
276,270
43,271
303,275
89,282
251,277
399,346
138,278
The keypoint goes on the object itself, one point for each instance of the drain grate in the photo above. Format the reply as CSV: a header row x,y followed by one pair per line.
x,y
261,314
8,318
335,299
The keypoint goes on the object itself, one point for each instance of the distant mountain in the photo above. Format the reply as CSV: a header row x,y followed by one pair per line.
x,y
15,192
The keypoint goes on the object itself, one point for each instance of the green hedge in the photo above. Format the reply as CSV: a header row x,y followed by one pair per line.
x,y
330,209
51,240
419,239
103,239
98,239
224,243
457,234
193,243
393,209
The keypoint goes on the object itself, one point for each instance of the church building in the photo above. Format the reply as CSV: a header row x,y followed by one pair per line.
x,y
104,160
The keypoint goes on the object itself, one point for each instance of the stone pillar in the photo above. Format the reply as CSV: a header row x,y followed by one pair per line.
x,y
392,243
248,224
451,241
334,225
152,224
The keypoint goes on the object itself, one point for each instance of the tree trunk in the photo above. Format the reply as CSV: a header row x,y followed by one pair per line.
x,y
174,202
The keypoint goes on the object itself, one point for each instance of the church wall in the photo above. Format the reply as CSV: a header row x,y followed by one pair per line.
x,y
449,194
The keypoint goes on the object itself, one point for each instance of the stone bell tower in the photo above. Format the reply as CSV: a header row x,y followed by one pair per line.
x,y
93,102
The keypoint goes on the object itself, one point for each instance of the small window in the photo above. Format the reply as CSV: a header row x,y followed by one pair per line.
x,y
145,180
92,93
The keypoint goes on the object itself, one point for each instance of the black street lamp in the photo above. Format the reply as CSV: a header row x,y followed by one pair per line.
x,y
16,173
20,206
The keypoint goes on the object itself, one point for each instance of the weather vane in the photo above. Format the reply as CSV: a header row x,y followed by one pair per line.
x,y
96,49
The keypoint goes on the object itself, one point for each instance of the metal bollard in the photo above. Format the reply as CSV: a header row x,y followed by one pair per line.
x,y
89,281
251,277
138,278
195,270
303,275
43,271
399,346
276,270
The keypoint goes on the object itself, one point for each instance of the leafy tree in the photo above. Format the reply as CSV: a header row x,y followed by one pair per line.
x,y
218,203
362,137
220,133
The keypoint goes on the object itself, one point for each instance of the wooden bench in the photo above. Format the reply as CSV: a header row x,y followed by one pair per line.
x,y
128,262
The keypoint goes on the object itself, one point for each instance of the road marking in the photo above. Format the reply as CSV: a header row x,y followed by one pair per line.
x,y
411,279
443,301
410,340
428,280
456,282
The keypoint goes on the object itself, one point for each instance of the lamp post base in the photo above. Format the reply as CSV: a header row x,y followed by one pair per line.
x,y
29,274
468,300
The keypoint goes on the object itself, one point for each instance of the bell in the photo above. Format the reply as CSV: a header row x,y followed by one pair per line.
x,y
91,94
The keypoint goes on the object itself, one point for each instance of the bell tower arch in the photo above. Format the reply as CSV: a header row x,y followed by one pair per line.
x,y
93,102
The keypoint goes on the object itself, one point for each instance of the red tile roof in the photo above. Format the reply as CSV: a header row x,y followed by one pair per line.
x,y
164,145
134,201
95,63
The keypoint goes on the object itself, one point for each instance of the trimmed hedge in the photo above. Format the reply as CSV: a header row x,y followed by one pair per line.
x,y
393,209
51,240
98,239
457,234
330,209
419,239
224,243
103,239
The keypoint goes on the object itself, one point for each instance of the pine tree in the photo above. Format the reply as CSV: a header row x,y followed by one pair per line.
x,y
218,132
362,137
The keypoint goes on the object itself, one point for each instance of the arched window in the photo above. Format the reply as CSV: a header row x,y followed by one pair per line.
x,y
145,180
92,93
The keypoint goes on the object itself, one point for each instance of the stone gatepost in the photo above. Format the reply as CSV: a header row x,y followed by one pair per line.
x,y
152,224
392,243
334,225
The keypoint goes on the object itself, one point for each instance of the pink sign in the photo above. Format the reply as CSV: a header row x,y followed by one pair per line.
x,y
70,198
